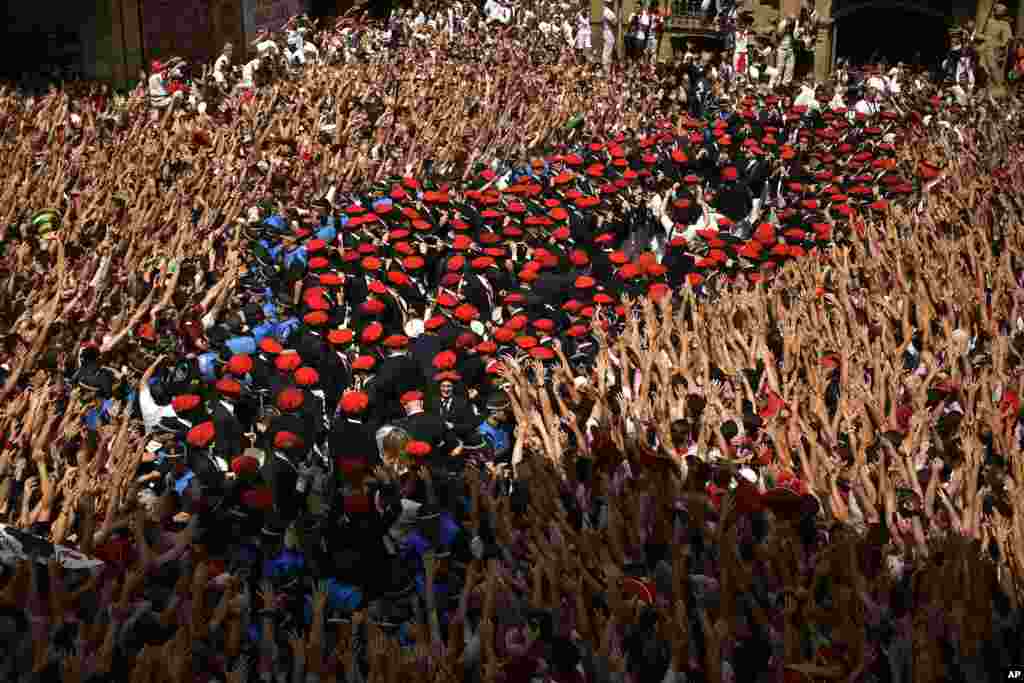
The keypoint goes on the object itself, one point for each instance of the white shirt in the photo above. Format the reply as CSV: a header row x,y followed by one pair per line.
x,y
295,37
806,99
741,40
643,25
866,108
248,73
608,20
156,86
222,64
498,12
583,23
151,412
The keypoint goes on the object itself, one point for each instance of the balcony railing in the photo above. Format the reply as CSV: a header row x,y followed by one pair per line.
x,y
692,22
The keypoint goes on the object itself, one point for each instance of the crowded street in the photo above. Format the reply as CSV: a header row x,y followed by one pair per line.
x,y
462,345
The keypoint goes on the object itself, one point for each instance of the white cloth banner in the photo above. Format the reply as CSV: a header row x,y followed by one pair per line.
x,y
17,545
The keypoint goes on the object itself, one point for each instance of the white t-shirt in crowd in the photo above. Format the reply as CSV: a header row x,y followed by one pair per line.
x,y
249,73
220,68
865,107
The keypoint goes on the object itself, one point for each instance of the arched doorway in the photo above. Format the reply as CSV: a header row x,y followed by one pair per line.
x,y
897,31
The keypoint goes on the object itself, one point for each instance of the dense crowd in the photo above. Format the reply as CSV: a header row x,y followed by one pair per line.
x,y
412,370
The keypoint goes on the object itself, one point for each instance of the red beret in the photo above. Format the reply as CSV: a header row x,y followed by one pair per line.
x,y
287,440
467,313
289,400
465,340
413,262
603,299
239,364
261,498
306,377
482,263
486,347
396,341
373,306
398,278
288,361
354,402
629,271
350,467
185,403
371,263
318,263
455,263
504,335
445,360
526,342
447,300
411,397
517,322
270,345
245,465
765,233
418,449
340,337
542,353
146,331
435,323
579,258
372,333
332,279
229,387
315,318
585,282
576,331
544,325
377,287
364,363
201,435
658,290
316,304
447,376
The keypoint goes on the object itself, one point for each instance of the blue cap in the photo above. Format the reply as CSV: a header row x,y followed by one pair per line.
x,y
208,365
239,345
277,222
